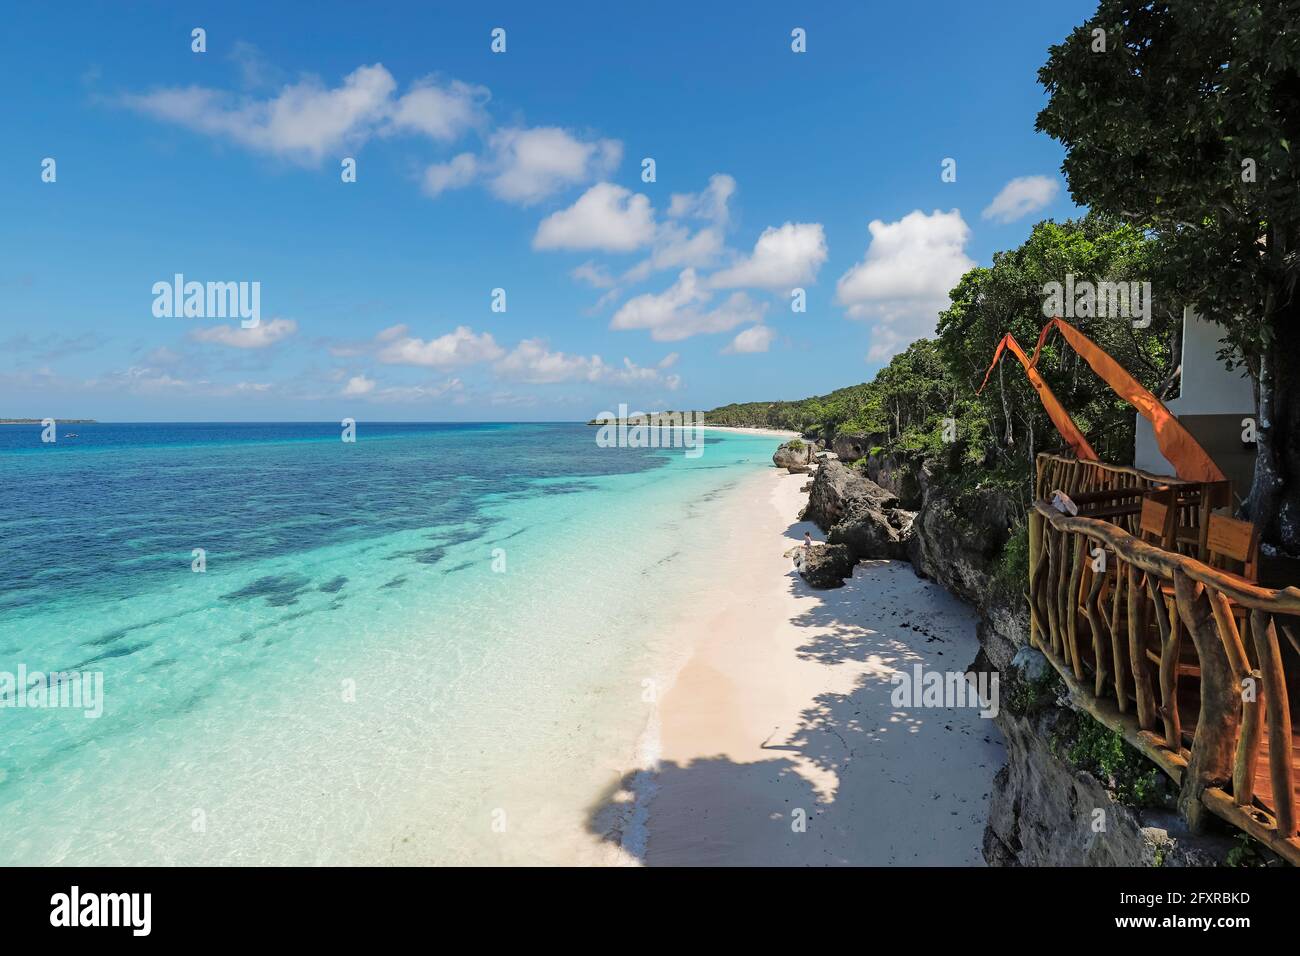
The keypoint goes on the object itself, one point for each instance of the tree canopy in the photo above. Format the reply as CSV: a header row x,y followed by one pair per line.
x,y
1184,120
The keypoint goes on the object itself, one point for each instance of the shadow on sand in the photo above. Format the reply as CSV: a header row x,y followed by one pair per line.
x,y
872,783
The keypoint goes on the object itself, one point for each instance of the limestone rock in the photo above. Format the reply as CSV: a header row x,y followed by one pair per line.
x,y
851,447
824,565
795,453
897,475
854,511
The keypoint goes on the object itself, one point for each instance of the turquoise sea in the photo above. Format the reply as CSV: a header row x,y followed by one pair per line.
x,y
438,644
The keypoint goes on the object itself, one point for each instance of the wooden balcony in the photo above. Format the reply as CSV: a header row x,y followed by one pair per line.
x,y
1197,666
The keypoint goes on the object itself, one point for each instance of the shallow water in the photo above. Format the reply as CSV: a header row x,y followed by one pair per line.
x,y
438,644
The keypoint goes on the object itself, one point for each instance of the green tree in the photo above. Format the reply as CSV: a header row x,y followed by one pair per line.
x,y
1007,421
1182,118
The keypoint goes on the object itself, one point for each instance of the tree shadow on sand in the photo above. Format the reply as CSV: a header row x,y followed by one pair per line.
x,y
875,783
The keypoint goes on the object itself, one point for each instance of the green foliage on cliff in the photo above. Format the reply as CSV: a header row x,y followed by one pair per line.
x,y
1013,566
1104,753
1028,698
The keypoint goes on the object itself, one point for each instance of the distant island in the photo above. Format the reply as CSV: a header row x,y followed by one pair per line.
x,y
57,421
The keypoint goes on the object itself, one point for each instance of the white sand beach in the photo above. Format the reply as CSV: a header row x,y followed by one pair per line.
x,y
772,432
783,713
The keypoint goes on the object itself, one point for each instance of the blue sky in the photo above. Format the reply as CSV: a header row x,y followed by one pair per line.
x,y
521,171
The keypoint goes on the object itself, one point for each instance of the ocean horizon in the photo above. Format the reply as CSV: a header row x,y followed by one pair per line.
x,y
436,644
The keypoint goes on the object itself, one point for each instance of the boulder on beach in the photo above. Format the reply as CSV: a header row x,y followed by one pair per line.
x,y
856,512
824,565
796,456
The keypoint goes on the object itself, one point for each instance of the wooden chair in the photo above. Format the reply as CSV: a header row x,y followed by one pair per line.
x,y
1158,522
1215,496
1232,546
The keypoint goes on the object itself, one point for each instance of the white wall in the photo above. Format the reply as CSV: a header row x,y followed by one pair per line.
x,y
1208,388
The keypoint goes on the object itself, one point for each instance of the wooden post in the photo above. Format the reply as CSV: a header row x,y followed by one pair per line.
x,y
1280,771
1052,589
1117,645
1137,654
1100,636
1072,607
1048,587
1035,575
1247,757
1168,666
1210,764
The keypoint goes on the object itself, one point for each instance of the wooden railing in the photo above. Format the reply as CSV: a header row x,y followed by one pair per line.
x,y
1103,603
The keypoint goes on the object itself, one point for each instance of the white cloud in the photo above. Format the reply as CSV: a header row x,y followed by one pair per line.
x,y
307,120
754,339
454,174
676,247
711,204
902,283
606,217
144,380
415,393
531,361
678,312
783,257
441,113
254,69
633,374
673,244
531,164
594,274
258,337
460,347
358,385
1020,197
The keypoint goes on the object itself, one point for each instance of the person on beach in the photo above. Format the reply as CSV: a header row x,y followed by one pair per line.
x,y
807,541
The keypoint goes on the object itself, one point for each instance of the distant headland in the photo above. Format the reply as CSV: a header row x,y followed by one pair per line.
x,y
57,421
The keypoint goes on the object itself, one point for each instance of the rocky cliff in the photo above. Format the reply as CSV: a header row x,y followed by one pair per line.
x,y
856,512
1071,794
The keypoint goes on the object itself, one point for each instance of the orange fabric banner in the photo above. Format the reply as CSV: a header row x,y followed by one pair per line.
x,y
1055,411
1176,443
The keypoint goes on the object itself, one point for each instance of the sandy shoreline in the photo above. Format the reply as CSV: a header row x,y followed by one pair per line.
x,y
783,714
772,432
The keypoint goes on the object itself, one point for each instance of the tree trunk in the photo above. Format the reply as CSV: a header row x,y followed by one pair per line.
x,y
1274,502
